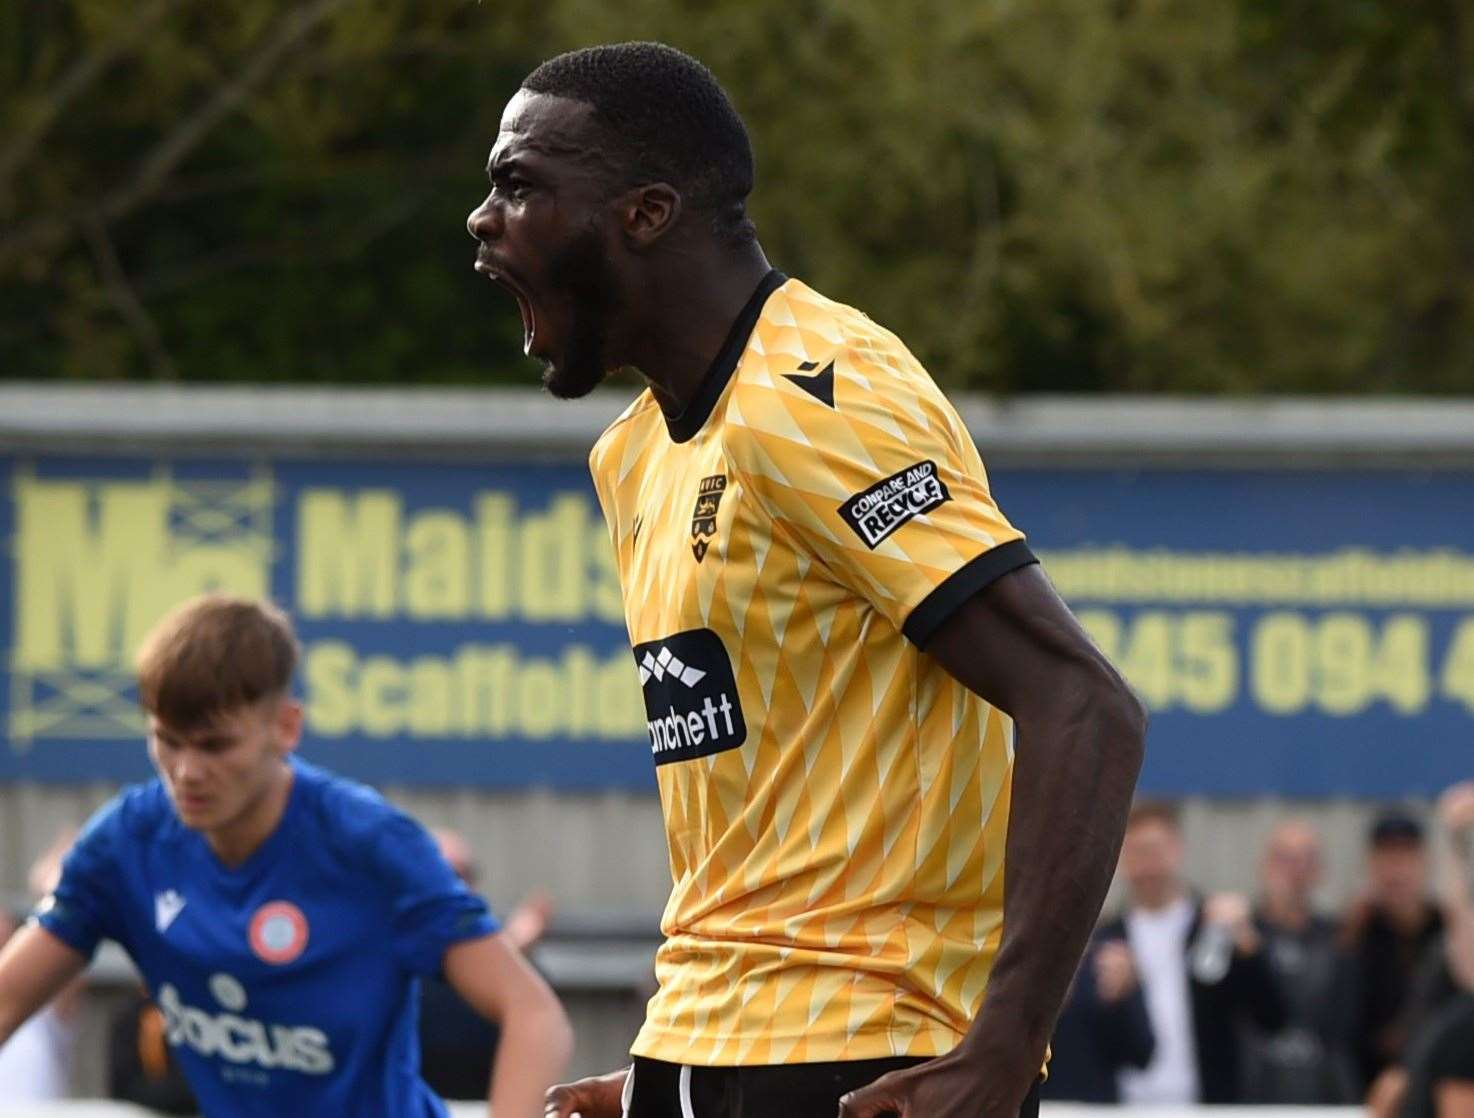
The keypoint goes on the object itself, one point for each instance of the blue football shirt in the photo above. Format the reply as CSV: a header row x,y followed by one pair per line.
x,y
289,983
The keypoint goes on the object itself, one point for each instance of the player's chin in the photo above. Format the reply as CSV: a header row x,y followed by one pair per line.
x,y
194,816
195,819
571,381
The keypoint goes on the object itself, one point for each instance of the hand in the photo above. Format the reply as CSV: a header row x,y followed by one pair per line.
x,y
951,1086
1384,1099
1456,810
1115,971
1231,911
596,1097
529,920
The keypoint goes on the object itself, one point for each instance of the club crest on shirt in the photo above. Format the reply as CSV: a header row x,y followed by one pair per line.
x,y
278,932
704,518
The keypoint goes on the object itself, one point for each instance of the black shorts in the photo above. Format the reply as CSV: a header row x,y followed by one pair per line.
x,y
661,1090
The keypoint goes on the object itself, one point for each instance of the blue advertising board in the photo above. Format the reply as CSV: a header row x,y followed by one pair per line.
x,y
1295,632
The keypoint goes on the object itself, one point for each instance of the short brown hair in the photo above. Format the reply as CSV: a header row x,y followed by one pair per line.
x,y
1154,811
214,654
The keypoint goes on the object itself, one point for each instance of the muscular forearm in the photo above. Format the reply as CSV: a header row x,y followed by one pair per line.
x,y
1076,765
536,1044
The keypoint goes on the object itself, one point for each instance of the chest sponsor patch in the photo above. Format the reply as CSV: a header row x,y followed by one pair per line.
x,y
691,702
876,512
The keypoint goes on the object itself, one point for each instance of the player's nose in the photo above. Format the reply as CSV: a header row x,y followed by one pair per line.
x,y
183,767
485,222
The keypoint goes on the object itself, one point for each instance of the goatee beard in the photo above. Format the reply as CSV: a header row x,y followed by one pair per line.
x,y
583,271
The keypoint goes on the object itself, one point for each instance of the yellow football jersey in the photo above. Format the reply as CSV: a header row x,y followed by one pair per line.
x,y
835,803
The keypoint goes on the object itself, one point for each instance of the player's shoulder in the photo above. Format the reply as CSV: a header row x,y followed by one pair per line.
x,y
340,807
349,818
803,326
819,370
139,815
631,424
140,811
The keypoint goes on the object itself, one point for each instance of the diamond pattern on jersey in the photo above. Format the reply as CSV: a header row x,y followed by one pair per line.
x,y
857,832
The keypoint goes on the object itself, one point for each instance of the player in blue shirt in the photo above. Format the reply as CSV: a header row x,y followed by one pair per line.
x,y
279,915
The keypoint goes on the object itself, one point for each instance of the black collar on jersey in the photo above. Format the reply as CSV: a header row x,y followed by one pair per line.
x,y
683,427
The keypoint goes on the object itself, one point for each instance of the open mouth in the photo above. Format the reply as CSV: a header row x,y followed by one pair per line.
x,y
524,304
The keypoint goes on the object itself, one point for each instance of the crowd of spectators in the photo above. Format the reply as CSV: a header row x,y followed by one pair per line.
x,y
1226,998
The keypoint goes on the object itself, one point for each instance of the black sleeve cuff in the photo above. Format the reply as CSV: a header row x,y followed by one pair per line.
x,y
964,582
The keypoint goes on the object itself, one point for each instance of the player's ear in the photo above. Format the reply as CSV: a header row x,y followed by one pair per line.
x,y
648,212
289,720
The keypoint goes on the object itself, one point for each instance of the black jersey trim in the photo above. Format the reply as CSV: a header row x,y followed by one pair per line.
x,y
924,621
683,427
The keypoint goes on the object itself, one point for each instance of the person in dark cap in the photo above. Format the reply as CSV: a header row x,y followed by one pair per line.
x,y
1388,931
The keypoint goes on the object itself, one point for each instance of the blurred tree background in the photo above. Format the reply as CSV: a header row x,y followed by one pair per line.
x,y
1052,195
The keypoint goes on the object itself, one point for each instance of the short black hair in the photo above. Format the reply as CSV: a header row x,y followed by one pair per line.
x,y
1155,811
668,120
1395,828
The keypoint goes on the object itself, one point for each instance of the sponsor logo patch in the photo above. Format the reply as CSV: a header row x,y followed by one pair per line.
x,y
691,703
228,991
278,932
704,517
877,512
247,1046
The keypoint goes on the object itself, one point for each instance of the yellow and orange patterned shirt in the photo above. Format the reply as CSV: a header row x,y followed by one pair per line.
x,y
835,803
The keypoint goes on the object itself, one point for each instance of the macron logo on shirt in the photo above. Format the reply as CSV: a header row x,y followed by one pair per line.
x,y
167,907
668,663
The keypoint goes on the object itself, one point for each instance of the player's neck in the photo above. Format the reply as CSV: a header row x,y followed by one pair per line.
x,y
695,303
233,843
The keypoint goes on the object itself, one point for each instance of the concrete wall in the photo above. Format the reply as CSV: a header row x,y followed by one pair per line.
x,y
603,855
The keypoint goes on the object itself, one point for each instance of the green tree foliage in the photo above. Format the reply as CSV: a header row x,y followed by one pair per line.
x,y
1052,195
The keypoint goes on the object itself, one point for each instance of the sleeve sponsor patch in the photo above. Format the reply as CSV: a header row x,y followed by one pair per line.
x,y
877,512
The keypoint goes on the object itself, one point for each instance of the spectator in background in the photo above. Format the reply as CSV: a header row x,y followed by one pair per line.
x,y
1436,1079
36,1062
1102,1028
1388,931
457,1044
1309,1061
1202,969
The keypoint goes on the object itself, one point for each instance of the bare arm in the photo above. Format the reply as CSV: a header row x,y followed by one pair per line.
x,y
1454,1098
536,1040
1079,746
35,966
